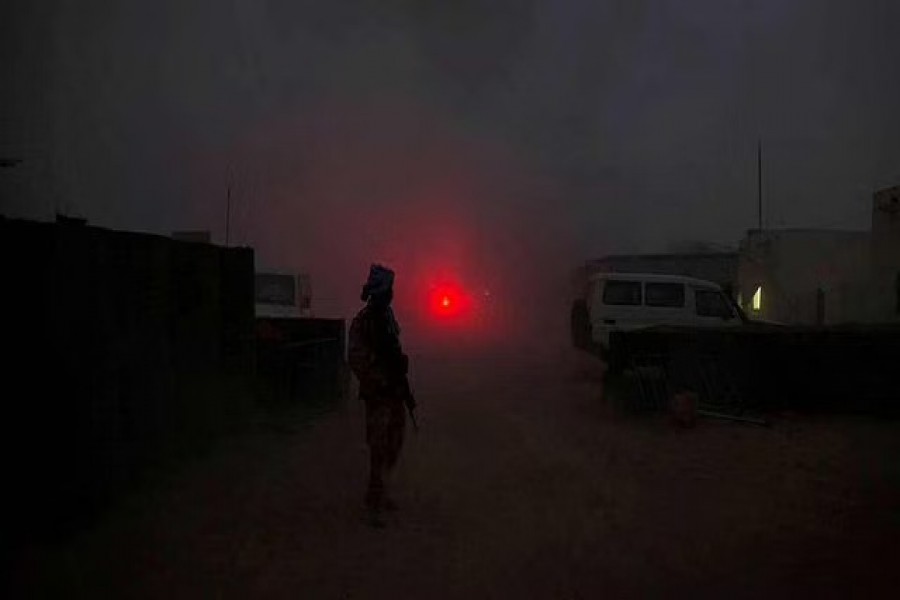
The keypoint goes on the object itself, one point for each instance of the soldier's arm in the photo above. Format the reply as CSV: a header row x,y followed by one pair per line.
x,y
394,360
363,353
398,364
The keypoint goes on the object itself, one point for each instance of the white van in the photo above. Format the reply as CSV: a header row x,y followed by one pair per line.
x,y
628,301
283,295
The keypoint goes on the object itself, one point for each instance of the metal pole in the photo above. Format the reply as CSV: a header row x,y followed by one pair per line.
x,y
228,214
759,181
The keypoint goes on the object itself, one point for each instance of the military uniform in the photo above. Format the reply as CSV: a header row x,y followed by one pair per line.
x,y
378,361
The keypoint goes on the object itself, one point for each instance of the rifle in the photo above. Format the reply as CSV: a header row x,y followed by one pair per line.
x,y
412,416
410,402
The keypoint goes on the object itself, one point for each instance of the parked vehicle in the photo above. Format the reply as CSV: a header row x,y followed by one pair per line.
x,y
628,301
283,295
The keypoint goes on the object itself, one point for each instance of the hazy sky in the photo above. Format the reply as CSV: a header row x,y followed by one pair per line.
x,y
487,133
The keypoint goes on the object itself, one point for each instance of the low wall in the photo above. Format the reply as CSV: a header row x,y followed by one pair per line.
x,y
842,369
301,362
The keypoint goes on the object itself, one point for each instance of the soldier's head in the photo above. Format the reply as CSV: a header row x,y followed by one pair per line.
x,y
379,288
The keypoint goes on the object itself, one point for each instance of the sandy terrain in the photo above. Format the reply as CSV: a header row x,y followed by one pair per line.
x,y
522,483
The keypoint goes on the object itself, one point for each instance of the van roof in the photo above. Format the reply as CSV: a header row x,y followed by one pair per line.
x,y
655,277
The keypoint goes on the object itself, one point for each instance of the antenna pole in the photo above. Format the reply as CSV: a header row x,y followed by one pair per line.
x,y
228,214
759,182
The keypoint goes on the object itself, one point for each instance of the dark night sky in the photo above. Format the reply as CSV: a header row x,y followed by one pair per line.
x,y
489,133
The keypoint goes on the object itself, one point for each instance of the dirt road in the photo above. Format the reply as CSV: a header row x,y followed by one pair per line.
x,y
522,483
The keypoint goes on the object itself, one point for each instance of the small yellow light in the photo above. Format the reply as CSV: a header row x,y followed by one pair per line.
x,y
757,299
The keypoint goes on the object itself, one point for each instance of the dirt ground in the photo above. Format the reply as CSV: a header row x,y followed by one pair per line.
x,y
523,482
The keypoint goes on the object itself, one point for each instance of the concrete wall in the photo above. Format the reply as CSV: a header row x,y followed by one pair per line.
x,y
845,277
122,349
795,268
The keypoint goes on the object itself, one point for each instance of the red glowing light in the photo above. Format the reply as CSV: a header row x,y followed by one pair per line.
x,y
448,301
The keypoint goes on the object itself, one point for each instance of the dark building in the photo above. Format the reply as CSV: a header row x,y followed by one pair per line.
x,y
822,277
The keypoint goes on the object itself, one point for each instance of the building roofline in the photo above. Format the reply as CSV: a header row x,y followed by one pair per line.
x,y
662,255
810,230
654,277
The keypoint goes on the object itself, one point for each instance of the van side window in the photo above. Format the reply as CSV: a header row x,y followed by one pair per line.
x,y
711,303
622,293
664,294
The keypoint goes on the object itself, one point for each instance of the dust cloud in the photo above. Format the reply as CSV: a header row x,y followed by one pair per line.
x,y
341,186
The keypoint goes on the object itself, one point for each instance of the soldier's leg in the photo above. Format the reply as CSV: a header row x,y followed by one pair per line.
x,y
396,430
394,443
377,420
375,490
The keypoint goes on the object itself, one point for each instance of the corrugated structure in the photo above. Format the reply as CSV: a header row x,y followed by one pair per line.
x,y
121,349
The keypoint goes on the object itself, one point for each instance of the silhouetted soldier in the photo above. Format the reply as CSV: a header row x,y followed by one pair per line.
x,y
380,365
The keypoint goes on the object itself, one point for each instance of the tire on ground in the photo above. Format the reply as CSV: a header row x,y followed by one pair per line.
x,y
581,325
